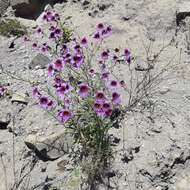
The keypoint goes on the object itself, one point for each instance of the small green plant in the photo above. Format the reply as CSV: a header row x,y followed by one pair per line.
x,y
10,28
67,34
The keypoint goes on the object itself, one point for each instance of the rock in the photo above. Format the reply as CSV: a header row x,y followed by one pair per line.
x,y
18,2
183,184
48,7
5,119
30,9
43,167
85,3
4,4
182,12
50,148
4,124
40,61
24,8
19,98
9,12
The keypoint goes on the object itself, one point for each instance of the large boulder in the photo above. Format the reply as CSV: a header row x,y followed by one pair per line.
x,y
30,9
26,8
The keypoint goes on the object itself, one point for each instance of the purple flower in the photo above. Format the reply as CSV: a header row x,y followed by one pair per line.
x,y
52,28
105,55
105,75
108,112
102,110
97,36
108,30
77,60
127,55
122,83
64,89
128,60
50,105
100,97
57,31
52,35
52,18
26,39
35,93
34,45
92,72
115,58
106,106
58,81
64,115
2,90
113,84
43,101
45,47
45,18
116,98
61,91
51,70
57,17
78,49
98,109
39,30
58,64
100,26
84,42
97,106
83,91
67,102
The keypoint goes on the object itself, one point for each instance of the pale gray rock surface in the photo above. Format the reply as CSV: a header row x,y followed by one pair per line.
x,y
153,151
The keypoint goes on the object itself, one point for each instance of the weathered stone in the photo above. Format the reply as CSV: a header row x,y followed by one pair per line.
x,y
40,61
48,7
50,148
183,11
30,9
5,119
4,124
4,4
19,98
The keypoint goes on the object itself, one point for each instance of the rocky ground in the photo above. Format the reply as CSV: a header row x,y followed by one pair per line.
x,y
153,148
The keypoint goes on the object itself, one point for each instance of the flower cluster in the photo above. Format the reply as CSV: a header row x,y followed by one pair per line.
x,y
83,91
102,32
50,16
75,80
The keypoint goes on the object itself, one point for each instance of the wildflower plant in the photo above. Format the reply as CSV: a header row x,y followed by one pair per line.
x,y
83,93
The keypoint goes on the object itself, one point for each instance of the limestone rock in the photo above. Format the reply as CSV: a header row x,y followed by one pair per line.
x,y
51,147
4,121
40,61
4,4
19,98
5,115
